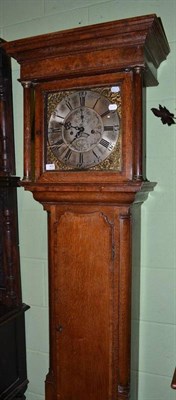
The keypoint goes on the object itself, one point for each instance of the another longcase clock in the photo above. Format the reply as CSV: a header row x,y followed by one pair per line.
x,y
85,162
13,374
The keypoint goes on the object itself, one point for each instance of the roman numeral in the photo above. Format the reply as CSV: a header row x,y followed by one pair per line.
x,y
80,160
108,128
105,113
104,143
53,130
68,154
96,102
57,144
57,115
68,104
97,157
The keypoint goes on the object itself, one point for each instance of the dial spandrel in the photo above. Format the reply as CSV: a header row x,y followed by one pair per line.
x,y
83,129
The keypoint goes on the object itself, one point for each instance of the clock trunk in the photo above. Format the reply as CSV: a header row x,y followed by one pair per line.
x,y
88,284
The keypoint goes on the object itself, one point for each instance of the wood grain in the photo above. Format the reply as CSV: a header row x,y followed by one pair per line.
x,y
89,212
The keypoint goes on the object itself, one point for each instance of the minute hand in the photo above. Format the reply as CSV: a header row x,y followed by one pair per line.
x,y
76,136
79,134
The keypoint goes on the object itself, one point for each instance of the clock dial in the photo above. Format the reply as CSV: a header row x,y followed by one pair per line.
x,y
83,129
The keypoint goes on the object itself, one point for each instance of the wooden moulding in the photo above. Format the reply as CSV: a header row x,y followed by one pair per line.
x,y
123,44
91,194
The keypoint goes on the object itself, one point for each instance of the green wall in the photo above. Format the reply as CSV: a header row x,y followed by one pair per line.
x,y
153,368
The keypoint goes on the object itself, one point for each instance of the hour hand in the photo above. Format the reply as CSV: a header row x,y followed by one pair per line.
x,y
68,125
82,115
73,139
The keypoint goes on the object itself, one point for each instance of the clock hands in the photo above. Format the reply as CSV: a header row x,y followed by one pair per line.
x,y
68,125
79,128
79,134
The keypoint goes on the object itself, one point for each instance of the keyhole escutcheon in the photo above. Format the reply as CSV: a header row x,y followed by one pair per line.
x,y
59,328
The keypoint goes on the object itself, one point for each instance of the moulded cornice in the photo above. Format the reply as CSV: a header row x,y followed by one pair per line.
x,y
128,43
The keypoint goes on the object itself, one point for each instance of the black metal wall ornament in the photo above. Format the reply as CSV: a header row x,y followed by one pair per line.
x,y
166,116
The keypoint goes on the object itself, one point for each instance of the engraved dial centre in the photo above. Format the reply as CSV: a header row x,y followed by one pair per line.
x,y
82,129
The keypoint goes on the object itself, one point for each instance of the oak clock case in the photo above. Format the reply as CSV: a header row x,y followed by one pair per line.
x,y
84,128
85,163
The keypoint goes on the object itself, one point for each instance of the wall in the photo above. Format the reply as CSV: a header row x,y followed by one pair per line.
x,y
157,324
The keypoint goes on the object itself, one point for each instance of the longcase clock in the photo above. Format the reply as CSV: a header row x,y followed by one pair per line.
x,y
13,373
84,161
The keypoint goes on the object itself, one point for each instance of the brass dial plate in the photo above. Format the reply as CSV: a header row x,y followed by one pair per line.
x,y
83,129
